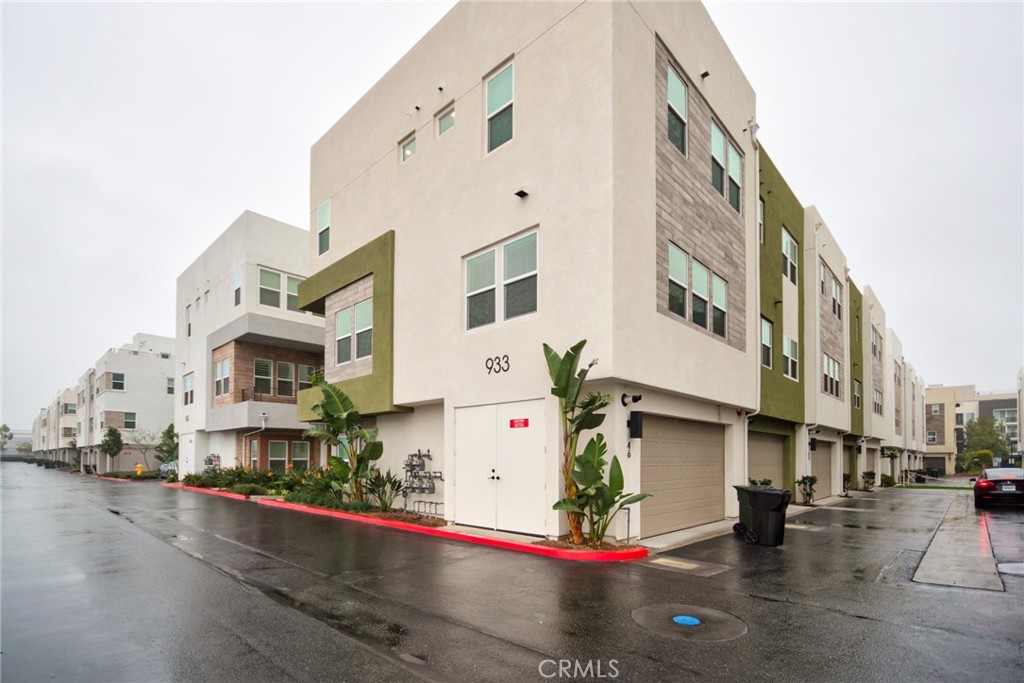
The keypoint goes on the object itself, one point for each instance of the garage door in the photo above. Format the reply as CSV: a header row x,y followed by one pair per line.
x,y
765,458
683,468
821,467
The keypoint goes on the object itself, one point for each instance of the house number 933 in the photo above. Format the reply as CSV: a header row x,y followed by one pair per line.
x,y
497,365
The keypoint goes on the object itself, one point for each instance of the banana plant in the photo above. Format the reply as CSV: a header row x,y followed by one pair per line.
x,y
576,415
339,424
596,500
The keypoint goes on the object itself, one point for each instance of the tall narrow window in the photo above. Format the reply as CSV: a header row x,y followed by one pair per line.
x,y
480,294
760,220
238,286
790,352
857,393
285,379
188,390
700,294
277,456
789,255
445,121
735,176
170,385
677,260
293,293
364,328
263,376
676,110
717,158
837,298
222,377
305,377
323,227
766,343
719,302
408,148
300,456
519,276
343,336
270,288
500,90
254,454
188,320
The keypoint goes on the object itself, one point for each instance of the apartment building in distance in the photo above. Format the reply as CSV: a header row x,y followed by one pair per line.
x,y
244,350
949,410
130,388
55,429
571,172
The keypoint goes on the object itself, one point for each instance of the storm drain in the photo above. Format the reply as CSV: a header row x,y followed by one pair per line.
x,y
689,622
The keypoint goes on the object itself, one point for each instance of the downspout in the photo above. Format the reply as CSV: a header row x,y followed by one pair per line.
x,y
263,425
753,127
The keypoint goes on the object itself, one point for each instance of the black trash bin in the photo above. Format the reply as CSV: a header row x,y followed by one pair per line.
x,y
762,514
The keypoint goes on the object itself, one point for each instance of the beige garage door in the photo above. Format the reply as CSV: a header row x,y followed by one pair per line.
x,y
765,453
683,468
821,467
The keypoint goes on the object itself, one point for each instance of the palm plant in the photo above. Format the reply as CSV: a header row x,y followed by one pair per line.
x,y
576,417
339,425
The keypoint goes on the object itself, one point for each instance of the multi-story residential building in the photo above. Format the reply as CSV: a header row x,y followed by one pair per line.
x,y
855,460
940,427
949,410
1003,409
778,432
130,388
245,350
574,172
827,398
55,429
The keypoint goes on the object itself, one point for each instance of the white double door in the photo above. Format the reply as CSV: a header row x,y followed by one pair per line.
x,y
500,467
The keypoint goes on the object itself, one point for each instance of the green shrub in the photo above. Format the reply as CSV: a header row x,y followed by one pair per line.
x,y
325,500
868,479
202,481
760,482
887,480
806,486
119,474
383,488
249,489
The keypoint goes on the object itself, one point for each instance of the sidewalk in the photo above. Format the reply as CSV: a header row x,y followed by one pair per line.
x,y
960,553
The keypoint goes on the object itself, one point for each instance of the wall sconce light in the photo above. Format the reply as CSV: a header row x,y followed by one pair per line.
x,y
522,193
626,399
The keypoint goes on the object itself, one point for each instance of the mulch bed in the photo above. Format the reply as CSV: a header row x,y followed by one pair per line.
x,y
564,544
405,516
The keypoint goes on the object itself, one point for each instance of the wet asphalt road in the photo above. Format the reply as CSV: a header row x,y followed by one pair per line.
x,y
107,581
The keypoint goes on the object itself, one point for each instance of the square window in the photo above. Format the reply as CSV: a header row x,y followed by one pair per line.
x,y
117,381
517,272
500,91
270,288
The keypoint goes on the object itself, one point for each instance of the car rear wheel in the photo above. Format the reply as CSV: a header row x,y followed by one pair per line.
x,y
978,504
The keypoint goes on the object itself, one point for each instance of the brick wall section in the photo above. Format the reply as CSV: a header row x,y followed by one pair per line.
x,y
242,356
935,423
358,291
831,330
265,437
690,212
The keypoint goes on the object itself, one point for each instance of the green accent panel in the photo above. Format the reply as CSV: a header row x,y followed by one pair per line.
x,y
781,397
372,394
857,357
768,425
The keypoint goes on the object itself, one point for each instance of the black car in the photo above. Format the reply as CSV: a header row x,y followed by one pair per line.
x,y
999,485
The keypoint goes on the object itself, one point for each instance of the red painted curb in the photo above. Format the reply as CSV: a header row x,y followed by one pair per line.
x,y
113,479
558,553
127,481
210,492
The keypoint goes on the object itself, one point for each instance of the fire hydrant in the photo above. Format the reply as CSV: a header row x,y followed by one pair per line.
x,y
138,469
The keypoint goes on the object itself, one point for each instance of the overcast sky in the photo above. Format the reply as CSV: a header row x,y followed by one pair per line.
x,y
134,134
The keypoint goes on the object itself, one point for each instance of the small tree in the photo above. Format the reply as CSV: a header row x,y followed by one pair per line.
x,y
984,434
112,443
167,448
25,448
145,442
340,426
5,437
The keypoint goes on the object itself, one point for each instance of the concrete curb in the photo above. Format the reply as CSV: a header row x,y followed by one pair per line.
x,y
557,553
209,492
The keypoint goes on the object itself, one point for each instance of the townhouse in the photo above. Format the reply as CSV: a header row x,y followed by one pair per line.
x,y
949,410
244,350
55,429
130,388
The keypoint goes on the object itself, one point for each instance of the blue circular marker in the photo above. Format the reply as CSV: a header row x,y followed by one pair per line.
x,y
685,620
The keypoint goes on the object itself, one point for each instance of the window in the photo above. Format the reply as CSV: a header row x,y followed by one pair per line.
x,y
766,343
719,301
323,227
343,336
935,409
285,379
188,390
876,401
170,385
677,259
724,155
277,455
129,420
830,375
700,294
445,121
735,177
499,108
117,381
270,288
222,377
837,298
407,148
188,320
364,328
69,408
876,343
789,255
959,419
676,110
516,270
790,354
306,376
300,455
821,273
932,437
263,375
717,158
293,293
238,286
254,454
856,393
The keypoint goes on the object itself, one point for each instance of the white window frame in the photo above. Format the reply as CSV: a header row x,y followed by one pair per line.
x,y
446,113
510,104
790,251
734,154
269,289
935,409
343,335
256,377
673,109
237,290
254,454
114,381
270,453
170,386
721,307
299,445
674,280
837,298
285,380
760,220
323,227
933,436
877,405
790,358
188,389
222,377
705,298
292,300
134,420
766,341
857,391
305,374
500,312
188,320
407,148
363,329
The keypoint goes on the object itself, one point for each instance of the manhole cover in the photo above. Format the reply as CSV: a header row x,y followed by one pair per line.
x,y
689,622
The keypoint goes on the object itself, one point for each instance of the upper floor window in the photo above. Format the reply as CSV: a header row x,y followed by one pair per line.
x,y
676,110
932,437
445,121
822,270
170,385
790,354
876,343
222,377
760,220
837,298
238,286
343,336
500,91
323,227
790,252
293,293
726,159
306,376
285,379
830,375
263,375
407,147
856,393
677,269
719,302
354,321
270,288
516,270
188,389
700,294
935,409
364,328
69,408
129,421
876,401
188,320
766,343
117,381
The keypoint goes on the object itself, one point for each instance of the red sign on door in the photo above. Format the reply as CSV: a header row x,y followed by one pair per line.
x,y
519,423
